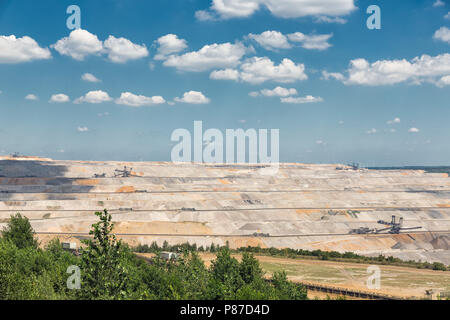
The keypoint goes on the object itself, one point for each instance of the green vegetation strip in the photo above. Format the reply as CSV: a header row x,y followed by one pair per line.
x,y
297,254
109,270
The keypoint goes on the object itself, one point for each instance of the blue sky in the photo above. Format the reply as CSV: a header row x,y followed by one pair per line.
x,y
347,93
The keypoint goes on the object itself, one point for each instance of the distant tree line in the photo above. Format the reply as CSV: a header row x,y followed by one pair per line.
x,y
294,253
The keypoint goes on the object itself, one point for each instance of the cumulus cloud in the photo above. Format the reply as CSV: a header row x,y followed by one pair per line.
x,y
31,97
226,74
387,72
133,100
271,40
205,15
394,121
59,98
276,92
89,77
444,81
120,50
79,44
94,97
274,40
301,100
209,57
169,44
447,16
312,42
372,131
193,97
413,130
18,50
332,75
325,19
443,34
226,9
258,70
438,3
82,129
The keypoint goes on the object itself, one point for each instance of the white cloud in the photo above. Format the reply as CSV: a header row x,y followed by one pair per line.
x,y
311,42
258,70
226,74
282,8
443,34
132,100
89,77
413,130
103,114
59,98
31,97
193,97
169,44
301,100
438,3
83,129
447,16
388,72
332,75
444,81
212,56
205,15
271,40
25,49
278,92
394,121
95,97
372,131
79,44
325,19
120,50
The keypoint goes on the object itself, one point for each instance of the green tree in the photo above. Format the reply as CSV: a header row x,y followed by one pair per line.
x,y
249,268
225,275
288,290
103,275
20,232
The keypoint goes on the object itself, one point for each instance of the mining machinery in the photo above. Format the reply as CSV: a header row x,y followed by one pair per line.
x,y
394,227
125,173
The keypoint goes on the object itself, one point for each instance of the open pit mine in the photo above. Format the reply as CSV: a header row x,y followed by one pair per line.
x,y
400,213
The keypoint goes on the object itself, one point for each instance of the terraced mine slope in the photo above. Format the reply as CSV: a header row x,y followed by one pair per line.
x,y
302,206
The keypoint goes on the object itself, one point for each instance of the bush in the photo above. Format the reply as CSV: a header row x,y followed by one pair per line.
x,y
20,232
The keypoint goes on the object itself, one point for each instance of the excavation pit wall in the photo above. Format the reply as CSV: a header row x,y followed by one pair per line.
x,y
303,206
